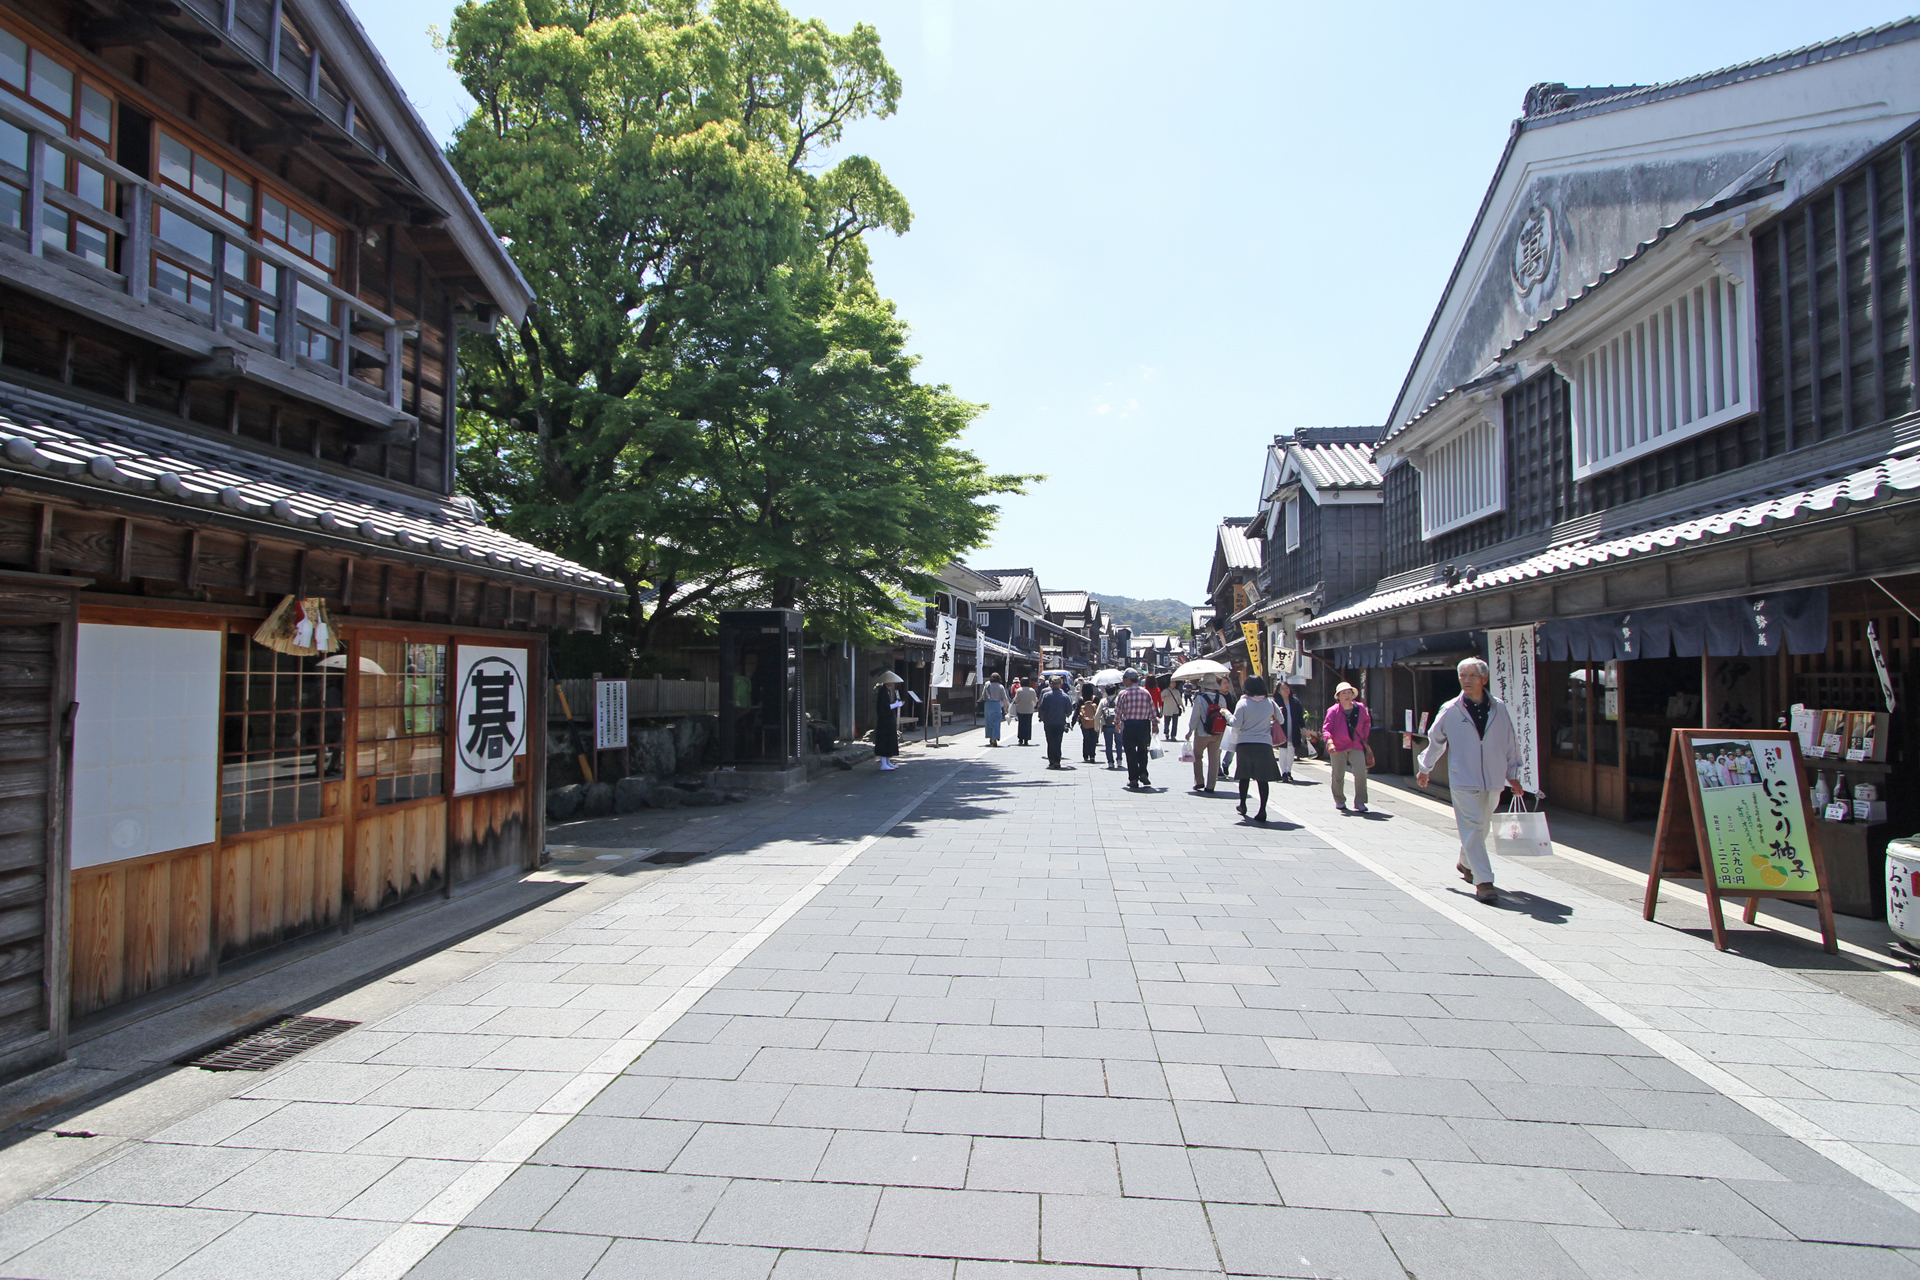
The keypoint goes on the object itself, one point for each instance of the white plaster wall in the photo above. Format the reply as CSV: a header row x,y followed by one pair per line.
x,y
145,741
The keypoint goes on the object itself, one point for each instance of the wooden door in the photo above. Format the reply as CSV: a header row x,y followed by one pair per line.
x,y
36,725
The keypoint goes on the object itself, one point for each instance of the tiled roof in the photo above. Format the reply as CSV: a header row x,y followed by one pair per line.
x,y
1065,601
1826,50
1014,585
165,466
1201,618
1240,551
1337,466
1881,483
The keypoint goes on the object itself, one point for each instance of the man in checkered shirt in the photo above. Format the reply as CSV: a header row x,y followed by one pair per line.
x,y
1134,706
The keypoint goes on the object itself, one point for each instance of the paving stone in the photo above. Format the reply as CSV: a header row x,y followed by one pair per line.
x,y
1797,1260
987,1114
1835,1214
299,1247
1694,1155
1655,1203
1112,1119
1373,1184
312,1183
1512,1194
752,1151
806,1264
610,1142
977,1224
1107,1231
158,1173
1474,1249
1367,1133
653,1206
1256,1240
1649,1255
404,1190
896,1159
1028,1164
800,1215
481,1253
123,1242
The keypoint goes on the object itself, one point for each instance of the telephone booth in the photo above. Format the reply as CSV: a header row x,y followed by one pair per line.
x,y
762,712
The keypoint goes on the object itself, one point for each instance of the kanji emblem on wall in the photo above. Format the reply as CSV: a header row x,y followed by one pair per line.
x,y
489,717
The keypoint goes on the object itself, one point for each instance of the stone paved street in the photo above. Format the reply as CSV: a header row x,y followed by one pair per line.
x,y
972,1017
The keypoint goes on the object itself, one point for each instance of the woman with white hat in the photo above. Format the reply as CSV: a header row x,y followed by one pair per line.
x,y
886,719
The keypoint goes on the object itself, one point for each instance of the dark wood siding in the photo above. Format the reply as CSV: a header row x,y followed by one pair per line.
x,y
1401,547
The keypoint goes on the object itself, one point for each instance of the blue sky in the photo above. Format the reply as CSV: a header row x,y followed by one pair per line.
x,y
1150,236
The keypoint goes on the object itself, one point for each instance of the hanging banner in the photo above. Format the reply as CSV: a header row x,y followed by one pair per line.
x,y
1251,630
944,639
610,715
979,653
1880,665
489,717
1510,654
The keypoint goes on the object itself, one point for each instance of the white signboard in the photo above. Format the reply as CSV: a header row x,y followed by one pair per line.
x,y
944,640
979,653
146,741
1510,655
489,717
610,715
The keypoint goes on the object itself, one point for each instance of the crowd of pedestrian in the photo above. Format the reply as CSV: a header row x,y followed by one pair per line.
x,y
1257,731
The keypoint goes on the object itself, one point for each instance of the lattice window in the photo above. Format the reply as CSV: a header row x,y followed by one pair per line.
x,y
1678,369
1293,524
403,719
283,727
1463,479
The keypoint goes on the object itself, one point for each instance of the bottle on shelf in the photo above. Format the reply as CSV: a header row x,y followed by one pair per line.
x,y
1842,796
1822,793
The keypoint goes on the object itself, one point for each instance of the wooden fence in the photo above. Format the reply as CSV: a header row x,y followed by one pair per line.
x,y
645,698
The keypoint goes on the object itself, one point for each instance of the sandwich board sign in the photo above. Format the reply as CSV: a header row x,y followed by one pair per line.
x,y
1735,815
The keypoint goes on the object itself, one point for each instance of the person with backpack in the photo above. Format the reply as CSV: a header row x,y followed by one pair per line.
x,y
1206,723
1088,717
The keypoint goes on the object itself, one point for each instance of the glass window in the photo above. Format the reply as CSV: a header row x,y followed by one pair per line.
x,y
403,718
50,83
1565,686
283,734
13,60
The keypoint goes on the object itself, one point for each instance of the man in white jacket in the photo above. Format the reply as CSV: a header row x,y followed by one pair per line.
x,y
1486,757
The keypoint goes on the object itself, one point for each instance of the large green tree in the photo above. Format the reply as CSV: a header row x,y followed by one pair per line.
x,y
709,400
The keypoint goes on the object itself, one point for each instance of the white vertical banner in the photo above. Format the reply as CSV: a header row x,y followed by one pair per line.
x,y
944,640
1510,655
610,715
979,653
489,717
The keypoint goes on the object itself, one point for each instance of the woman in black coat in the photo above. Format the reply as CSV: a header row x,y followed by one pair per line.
x,y
886,725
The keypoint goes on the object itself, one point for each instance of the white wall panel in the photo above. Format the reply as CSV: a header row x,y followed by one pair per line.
x,y
145,741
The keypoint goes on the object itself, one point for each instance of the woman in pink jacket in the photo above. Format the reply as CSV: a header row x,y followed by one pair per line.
x,y
1348,726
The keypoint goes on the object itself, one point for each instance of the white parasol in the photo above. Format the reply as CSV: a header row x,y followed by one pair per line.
x,y
1102,679
1198,668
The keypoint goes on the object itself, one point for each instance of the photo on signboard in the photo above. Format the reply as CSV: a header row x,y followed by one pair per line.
x,y
1725,764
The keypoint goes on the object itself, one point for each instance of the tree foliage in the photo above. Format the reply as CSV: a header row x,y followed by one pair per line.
x,y
709,400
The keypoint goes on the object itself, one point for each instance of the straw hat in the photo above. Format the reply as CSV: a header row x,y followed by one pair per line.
x,y
1344,687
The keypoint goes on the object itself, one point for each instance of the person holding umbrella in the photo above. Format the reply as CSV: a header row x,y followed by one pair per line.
x,y
886,719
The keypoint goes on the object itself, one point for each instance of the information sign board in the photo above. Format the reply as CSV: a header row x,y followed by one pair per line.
x,y
610,715
1735,814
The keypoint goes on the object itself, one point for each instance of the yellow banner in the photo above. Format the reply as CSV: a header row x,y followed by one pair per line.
x,y
1252,632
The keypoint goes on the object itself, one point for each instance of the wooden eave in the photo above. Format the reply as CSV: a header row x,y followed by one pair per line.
x,y
163,552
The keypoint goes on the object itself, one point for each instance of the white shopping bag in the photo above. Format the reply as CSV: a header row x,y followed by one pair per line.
x,y
1521,833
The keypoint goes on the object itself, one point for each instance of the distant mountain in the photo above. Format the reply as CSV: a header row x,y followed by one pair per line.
x,y
1147,616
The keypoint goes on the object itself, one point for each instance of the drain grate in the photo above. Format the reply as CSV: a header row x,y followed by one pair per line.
x,y
675,859
271,1046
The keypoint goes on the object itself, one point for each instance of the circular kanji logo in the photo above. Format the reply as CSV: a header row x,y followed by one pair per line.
x,y
490,718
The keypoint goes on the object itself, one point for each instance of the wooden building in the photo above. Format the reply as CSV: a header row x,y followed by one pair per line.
x,y
233,265
1319,523
1666,412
